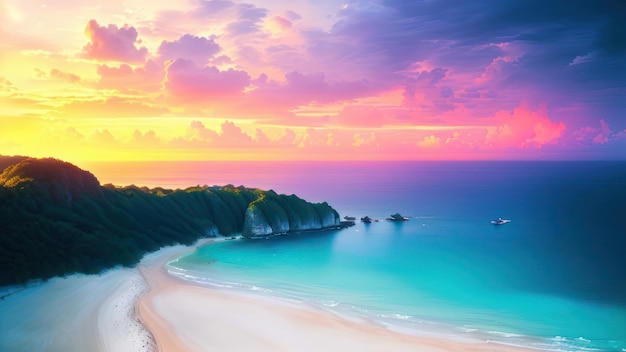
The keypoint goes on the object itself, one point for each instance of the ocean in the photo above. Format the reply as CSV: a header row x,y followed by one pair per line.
x,y
554,278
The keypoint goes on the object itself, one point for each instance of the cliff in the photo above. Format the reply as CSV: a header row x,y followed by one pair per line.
x,y
57,219
273,214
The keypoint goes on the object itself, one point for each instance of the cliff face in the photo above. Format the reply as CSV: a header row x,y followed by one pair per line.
x,y
272,214
57,219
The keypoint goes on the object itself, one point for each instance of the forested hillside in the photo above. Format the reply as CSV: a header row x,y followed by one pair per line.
x,y
56,218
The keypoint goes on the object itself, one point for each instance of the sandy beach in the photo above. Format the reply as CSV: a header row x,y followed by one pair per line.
x,y
79,312
76,313
184,317
147,309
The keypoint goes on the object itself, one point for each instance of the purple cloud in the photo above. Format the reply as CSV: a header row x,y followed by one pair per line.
x,y
189,47
302,89
188,81
113,44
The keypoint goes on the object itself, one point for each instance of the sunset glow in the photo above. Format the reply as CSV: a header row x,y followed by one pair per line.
x,y
303,80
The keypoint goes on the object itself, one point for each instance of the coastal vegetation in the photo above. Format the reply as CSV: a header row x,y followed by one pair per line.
x,y
57,219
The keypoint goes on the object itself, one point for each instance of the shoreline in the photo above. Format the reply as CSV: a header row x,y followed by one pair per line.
x,y
183,316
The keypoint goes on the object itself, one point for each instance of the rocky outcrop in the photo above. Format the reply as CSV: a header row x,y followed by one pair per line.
x,y
272,214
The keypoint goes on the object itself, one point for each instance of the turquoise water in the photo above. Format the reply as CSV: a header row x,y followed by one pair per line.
x,y
552,279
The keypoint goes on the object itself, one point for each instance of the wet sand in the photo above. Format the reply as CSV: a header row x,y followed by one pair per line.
x,y
183,316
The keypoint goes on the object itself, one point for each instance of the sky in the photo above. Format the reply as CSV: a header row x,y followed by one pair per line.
x,y
313,80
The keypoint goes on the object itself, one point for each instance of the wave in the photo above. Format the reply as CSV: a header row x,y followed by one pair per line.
x,y
336,303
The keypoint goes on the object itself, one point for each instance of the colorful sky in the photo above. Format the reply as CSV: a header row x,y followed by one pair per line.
x,y
313,80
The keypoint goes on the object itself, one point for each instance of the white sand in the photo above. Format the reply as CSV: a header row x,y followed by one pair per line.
x,y
79,313
186,317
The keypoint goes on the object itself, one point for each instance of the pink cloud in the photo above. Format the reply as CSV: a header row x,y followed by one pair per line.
x,y
301,89
292,16
197,131
261,138
232,136
361,116
524,128
594,135
189,47
497,70
113,44
188,81
281,22
124,78
288,138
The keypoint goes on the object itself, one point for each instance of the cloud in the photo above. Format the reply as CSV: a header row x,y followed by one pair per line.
x,y
197,131
64,76
362,142
524,128
581,59
189,47
212,7
188,81
281,22
428,91
6,85
145,140
230,136
147,78
361,116
113,44
288,138
260,138
429,142
56,74
292,16
63,136
103,138
113,107
248,20
301,89
594,135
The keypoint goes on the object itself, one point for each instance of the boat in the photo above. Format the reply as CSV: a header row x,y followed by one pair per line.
x,y
500,221
397,217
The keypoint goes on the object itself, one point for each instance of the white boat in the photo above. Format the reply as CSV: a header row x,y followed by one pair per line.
x,y
500,221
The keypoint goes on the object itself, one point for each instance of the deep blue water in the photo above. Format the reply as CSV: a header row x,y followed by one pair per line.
x,y
553,278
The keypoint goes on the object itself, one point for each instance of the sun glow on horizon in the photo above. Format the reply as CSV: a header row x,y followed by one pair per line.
x,y
222,80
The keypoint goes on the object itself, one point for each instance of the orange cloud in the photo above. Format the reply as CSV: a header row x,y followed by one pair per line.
x,y
64,76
